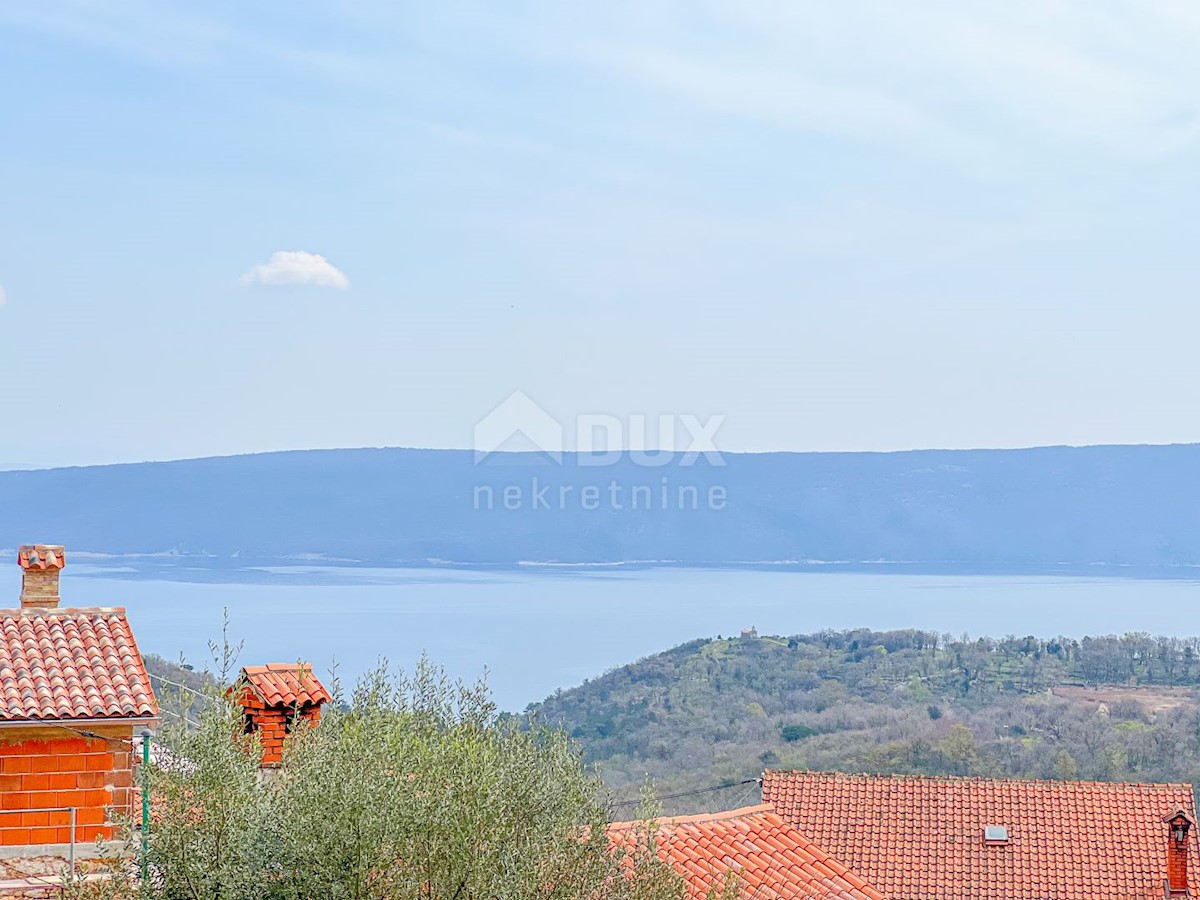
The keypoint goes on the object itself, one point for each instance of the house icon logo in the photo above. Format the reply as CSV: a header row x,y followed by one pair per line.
x,y
518,425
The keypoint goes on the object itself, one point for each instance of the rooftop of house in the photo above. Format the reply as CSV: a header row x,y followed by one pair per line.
x,y
768,857
286,684
71,664
67,664
931,838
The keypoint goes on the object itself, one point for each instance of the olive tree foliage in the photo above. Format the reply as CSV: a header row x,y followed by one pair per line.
x,y
413,786
420,789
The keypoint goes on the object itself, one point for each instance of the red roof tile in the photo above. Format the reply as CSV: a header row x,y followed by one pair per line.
x,y
71,664
286,684
41,556
770,858
920,838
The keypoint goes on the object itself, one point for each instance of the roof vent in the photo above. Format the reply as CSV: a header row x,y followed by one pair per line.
x,y
995,834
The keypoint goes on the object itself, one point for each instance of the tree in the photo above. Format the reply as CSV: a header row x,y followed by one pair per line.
x,y
415,787
796,732
1064,766
959,750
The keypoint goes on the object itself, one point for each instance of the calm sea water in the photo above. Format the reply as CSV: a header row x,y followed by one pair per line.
x,y
536,631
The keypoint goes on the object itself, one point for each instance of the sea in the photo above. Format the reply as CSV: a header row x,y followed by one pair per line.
x,y
531,631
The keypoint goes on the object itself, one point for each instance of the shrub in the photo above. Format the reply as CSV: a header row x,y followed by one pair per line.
x,y
792,733
414,787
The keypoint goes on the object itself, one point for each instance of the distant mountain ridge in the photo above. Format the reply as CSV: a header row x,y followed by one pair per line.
x,y
1135,506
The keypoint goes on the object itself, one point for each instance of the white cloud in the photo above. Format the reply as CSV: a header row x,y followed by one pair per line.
x,y
297,267
3,297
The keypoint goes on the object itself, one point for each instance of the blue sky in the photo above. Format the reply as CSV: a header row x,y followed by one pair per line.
x,y
861,225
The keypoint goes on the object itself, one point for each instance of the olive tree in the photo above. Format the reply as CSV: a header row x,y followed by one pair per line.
x,y
413,786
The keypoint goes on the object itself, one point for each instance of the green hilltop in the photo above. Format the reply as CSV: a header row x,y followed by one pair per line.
x,y
717,712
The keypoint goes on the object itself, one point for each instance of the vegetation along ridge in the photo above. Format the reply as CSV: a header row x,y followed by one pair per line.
x,y
718,711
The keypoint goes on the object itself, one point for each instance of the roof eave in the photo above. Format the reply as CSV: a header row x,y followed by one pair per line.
x,y
69,723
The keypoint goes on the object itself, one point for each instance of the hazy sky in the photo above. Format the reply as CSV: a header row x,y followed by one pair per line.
x,y
852,225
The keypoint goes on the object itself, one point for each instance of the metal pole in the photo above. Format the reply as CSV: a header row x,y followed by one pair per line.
x,y
72,856
145,806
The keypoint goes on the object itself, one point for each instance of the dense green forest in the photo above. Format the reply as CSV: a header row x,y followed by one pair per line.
x,y
720,711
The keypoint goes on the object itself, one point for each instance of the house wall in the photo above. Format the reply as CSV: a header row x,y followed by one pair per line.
x,y
42,768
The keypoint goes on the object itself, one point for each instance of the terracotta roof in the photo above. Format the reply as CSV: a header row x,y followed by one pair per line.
x,y
919,838
41,556
71,664
286,684
770,858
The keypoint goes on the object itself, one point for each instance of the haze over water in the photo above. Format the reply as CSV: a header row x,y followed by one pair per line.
x,y
537,631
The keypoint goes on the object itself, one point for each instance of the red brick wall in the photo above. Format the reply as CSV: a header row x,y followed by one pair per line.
x,y
91,774
1177,865
270,723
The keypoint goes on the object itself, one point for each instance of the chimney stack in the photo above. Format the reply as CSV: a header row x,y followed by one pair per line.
x,y
1180,824
40,566
273,698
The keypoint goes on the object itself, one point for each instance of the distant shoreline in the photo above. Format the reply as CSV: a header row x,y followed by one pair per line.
x,y
243,570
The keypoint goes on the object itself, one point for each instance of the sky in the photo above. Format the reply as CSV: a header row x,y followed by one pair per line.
x,y
231,227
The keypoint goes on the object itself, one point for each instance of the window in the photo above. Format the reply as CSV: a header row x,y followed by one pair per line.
x,y
995,834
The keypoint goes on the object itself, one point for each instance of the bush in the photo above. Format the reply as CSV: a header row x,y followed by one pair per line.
x,y
1128,710
792,733
415,787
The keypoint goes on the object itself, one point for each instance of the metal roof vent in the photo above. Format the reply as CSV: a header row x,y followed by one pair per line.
x,y
995,834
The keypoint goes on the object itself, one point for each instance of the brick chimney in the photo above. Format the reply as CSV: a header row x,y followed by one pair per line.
x,y
40,566
274,699
1180,824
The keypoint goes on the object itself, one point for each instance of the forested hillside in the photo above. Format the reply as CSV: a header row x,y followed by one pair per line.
x,y
1049,508
719,711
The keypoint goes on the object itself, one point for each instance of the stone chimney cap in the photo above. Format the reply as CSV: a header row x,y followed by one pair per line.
x,y
41,556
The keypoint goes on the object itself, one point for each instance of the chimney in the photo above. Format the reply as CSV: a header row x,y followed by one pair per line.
x,y
1177,854
273,697
40,565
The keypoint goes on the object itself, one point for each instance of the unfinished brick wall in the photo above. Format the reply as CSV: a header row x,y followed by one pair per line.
x,y
272,724
91,774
